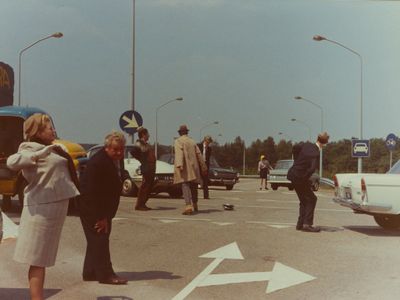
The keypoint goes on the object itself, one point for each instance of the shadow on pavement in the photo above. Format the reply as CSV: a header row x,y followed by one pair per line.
x,y
208,211
330,229
23,293
114,298
164,208
374,230
148,275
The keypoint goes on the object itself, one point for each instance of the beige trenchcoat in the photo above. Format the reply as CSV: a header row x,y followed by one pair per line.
x,y
188,156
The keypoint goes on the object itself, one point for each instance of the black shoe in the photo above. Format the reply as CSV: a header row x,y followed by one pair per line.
x,y
89,277
299,226
309,228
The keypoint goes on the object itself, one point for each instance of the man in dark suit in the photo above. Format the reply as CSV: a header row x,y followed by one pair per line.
x,y
101,186
205,150
306,158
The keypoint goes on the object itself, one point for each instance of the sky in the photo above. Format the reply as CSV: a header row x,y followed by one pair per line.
x,y
238,62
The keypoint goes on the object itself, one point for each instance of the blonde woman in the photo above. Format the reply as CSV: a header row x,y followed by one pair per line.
x,y
263,169
52,181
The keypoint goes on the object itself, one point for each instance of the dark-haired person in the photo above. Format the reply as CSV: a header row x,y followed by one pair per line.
x,y
299,174
52,181
205,150
144,153
101,186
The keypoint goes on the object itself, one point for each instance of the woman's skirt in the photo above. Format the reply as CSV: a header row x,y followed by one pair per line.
x,y
264,173
39,233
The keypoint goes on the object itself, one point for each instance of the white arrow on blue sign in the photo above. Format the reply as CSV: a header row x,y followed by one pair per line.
x,y
130,121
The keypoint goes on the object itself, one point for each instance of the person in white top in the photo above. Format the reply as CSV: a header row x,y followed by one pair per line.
x,y
263,169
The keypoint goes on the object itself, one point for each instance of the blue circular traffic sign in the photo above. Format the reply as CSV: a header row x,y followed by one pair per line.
x,y
391,141
130,121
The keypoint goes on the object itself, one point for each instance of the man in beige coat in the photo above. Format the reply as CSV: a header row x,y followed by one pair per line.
x,y
189,164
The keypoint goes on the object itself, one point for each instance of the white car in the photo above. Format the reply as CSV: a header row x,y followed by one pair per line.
x,y
372,194
360,147
163,179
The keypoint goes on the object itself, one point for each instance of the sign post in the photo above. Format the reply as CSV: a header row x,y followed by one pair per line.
x,y
391,141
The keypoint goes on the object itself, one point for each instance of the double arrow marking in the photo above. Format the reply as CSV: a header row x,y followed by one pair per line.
x,y
281,276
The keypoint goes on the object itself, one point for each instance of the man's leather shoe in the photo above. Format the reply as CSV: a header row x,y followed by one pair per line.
x,y
309,228
195,207
299,226
114,279
142,208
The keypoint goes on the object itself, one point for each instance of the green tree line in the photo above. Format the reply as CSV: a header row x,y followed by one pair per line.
x,y
336,155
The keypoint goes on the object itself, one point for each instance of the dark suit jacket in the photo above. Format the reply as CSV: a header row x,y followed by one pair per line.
x,y
101,187
208,154
305,164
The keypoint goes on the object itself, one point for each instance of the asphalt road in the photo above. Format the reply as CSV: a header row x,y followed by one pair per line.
x,y
252,252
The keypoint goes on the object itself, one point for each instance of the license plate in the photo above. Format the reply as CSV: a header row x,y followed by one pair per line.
x,y
347,193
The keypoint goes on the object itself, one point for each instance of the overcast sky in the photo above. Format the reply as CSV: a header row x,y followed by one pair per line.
x,y
239,62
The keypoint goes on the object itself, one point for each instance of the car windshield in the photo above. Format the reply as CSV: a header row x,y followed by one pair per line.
x,y
214,163
284,164
395,169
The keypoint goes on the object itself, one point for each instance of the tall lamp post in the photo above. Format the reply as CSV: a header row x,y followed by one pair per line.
x,y
176,99
209,124
305,124
320,38
56,35
322,126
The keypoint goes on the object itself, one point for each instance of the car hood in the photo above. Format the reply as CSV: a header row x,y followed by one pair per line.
x,y
278,172
222,170
131,165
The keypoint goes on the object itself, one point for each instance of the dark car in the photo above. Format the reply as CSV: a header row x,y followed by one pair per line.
x,y
217,175
277,176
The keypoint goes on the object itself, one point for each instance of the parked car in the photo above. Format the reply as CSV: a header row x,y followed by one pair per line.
x,y
163,179
376,195
217,175
277,176
11,135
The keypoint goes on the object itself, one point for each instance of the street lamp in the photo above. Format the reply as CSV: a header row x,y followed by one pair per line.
x,y
284,134
56,35
209,124
322,127
176,99
320,38
305,124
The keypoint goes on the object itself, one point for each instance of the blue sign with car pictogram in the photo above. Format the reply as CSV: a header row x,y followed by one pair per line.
x,y
360,148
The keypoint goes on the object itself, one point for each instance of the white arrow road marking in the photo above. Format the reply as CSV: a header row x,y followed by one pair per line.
x,y
132,123
10,229
230,251
220,279
283,276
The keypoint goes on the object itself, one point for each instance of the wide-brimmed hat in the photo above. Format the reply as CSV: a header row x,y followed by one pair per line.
x,y
323,137
183,128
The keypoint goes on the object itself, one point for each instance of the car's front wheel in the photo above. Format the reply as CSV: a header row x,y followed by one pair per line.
x,y
388,221
315,186
129,188
274,186
229,187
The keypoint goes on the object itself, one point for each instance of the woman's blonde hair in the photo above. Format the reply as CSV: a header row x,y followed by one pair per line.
x,y
35,124
114,136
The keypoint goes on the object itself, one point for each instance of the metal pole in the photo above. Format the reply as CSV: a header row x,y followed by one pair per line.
x,y
321,38
155,146
244,157
54,35
391,159
133,61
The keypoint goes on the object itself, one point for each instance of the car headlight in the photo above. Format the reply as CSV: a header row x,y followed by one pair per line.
x,y
215,173
138,171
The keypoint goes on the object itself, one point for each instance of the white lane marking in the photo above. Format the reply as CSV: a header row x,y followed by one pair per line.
x,y
324,195
230,251
180,219
288,193
223,223
169,221
230,198
236,191
263,192
119,219
279,226
10,229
